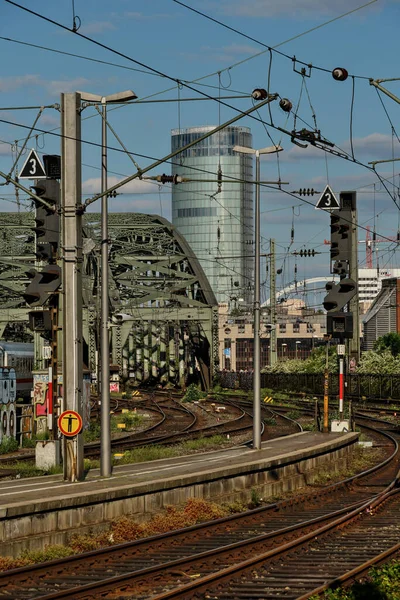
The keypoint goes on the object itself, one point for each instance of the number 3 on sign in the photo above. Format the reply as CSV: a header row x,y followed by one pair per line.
x,y
327,200
32,168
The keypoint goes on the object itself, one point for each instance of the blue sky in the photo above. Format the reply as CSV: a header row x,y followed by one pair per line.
x,y
185,46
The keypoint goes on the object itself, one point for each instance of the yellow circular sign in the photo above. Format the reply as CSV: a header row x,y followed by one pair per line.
x,y
70,423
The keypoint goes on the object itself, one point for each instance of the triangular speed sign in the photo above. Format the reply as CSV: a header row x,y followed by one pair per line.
x,y
33,168
327,200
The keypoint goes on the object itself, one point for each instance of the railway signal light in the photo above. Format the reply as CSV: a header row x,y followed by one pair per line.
x,y
47,220
339,294
43,284
340,325
340,250
40,321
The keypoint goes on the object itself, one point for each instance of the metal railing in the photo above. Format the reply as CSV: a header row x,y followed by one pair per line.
x,y
382,387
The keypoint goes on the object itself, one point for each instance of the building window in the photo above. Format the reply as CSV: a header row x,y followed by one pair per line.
x,y
207,211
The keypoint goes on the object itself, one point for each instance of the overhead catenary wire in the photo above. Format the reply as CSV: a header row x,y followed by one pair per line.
x,y
178,81
302,199
274,48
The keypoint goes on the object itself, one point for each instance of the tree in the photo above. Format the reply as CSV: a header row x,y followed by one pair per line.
x,y
389,341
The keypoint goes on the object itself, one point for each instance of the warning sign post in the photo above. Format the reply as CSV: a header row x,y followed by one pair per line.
x,y
70,423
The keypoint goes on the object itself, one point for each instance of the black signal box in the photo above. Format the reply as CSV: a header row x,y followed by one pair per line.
x,y
340,325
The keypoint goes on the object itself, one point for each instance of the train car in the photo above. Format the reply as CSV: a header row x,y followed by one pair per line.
x,y
19,356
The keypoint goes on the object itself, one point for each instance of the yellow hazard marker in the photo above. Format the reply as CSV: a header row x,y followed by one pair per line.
x,y
135,393
121,425
268,399
70,423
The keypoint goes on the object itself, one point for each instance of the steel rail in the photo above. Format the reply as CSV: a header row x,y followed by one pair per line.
x,y
327,492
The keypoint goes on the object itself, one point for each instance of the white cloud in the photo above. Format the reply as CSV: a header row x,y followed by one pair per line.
x,y
141,16
50,119
136,186
375,144
224,54
288,8
5,149
10,84
96,27
55,87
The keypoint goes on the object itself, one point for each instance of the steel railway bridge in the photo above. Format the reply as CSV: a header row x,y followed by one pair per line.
x,y
168,331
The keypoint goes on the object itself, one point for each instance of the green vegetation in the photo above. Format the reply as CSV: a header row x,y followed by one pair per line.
x,y
389,341
154,452
256,500
131,419
382,583
92,433
361,459
8,444
315,363
38,437
28,469
193,394
384,359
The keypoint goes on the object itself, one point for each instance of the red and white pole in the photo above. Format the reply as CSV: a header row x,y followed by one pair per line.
x,y
50,400
341,386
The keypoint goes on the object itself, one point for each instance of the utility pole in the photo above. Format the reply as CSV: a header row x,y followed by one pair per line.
x,y
273,352
72,358
354,305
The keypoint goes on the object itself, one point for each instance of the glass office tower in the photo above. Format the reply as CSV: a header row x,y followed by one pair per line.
x,y
217,218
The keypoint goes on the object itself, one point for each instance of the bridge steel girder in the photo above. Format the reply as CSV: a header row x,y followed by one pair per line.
x,y
153,276
156,281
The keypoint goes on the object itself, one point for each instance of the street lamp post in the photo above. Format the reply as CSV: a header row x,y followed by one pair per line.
x,y
297,345
105,439
256,310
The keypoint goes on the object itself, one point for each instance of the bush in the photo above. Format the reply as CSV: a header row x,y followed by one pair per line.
x,y
193,393
8,444
131,419
92,433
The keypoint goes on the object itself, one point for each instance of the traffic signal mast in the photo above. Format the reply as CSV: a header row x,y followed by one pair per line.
x,y
343,259
41,291
339,294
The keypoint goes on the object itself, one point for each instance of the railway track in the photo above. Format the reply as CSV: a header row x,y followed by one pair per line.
x,y
176,423
250,555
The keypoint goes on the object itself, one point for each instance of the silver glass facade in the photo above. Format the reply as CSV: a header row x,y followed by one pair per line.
x,y
218,225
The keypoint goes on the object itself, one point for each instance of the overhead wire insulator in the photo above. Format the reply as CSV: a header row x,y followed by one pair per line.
x,y
219,178
169,178
340,74
259,94
306,192
285,104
